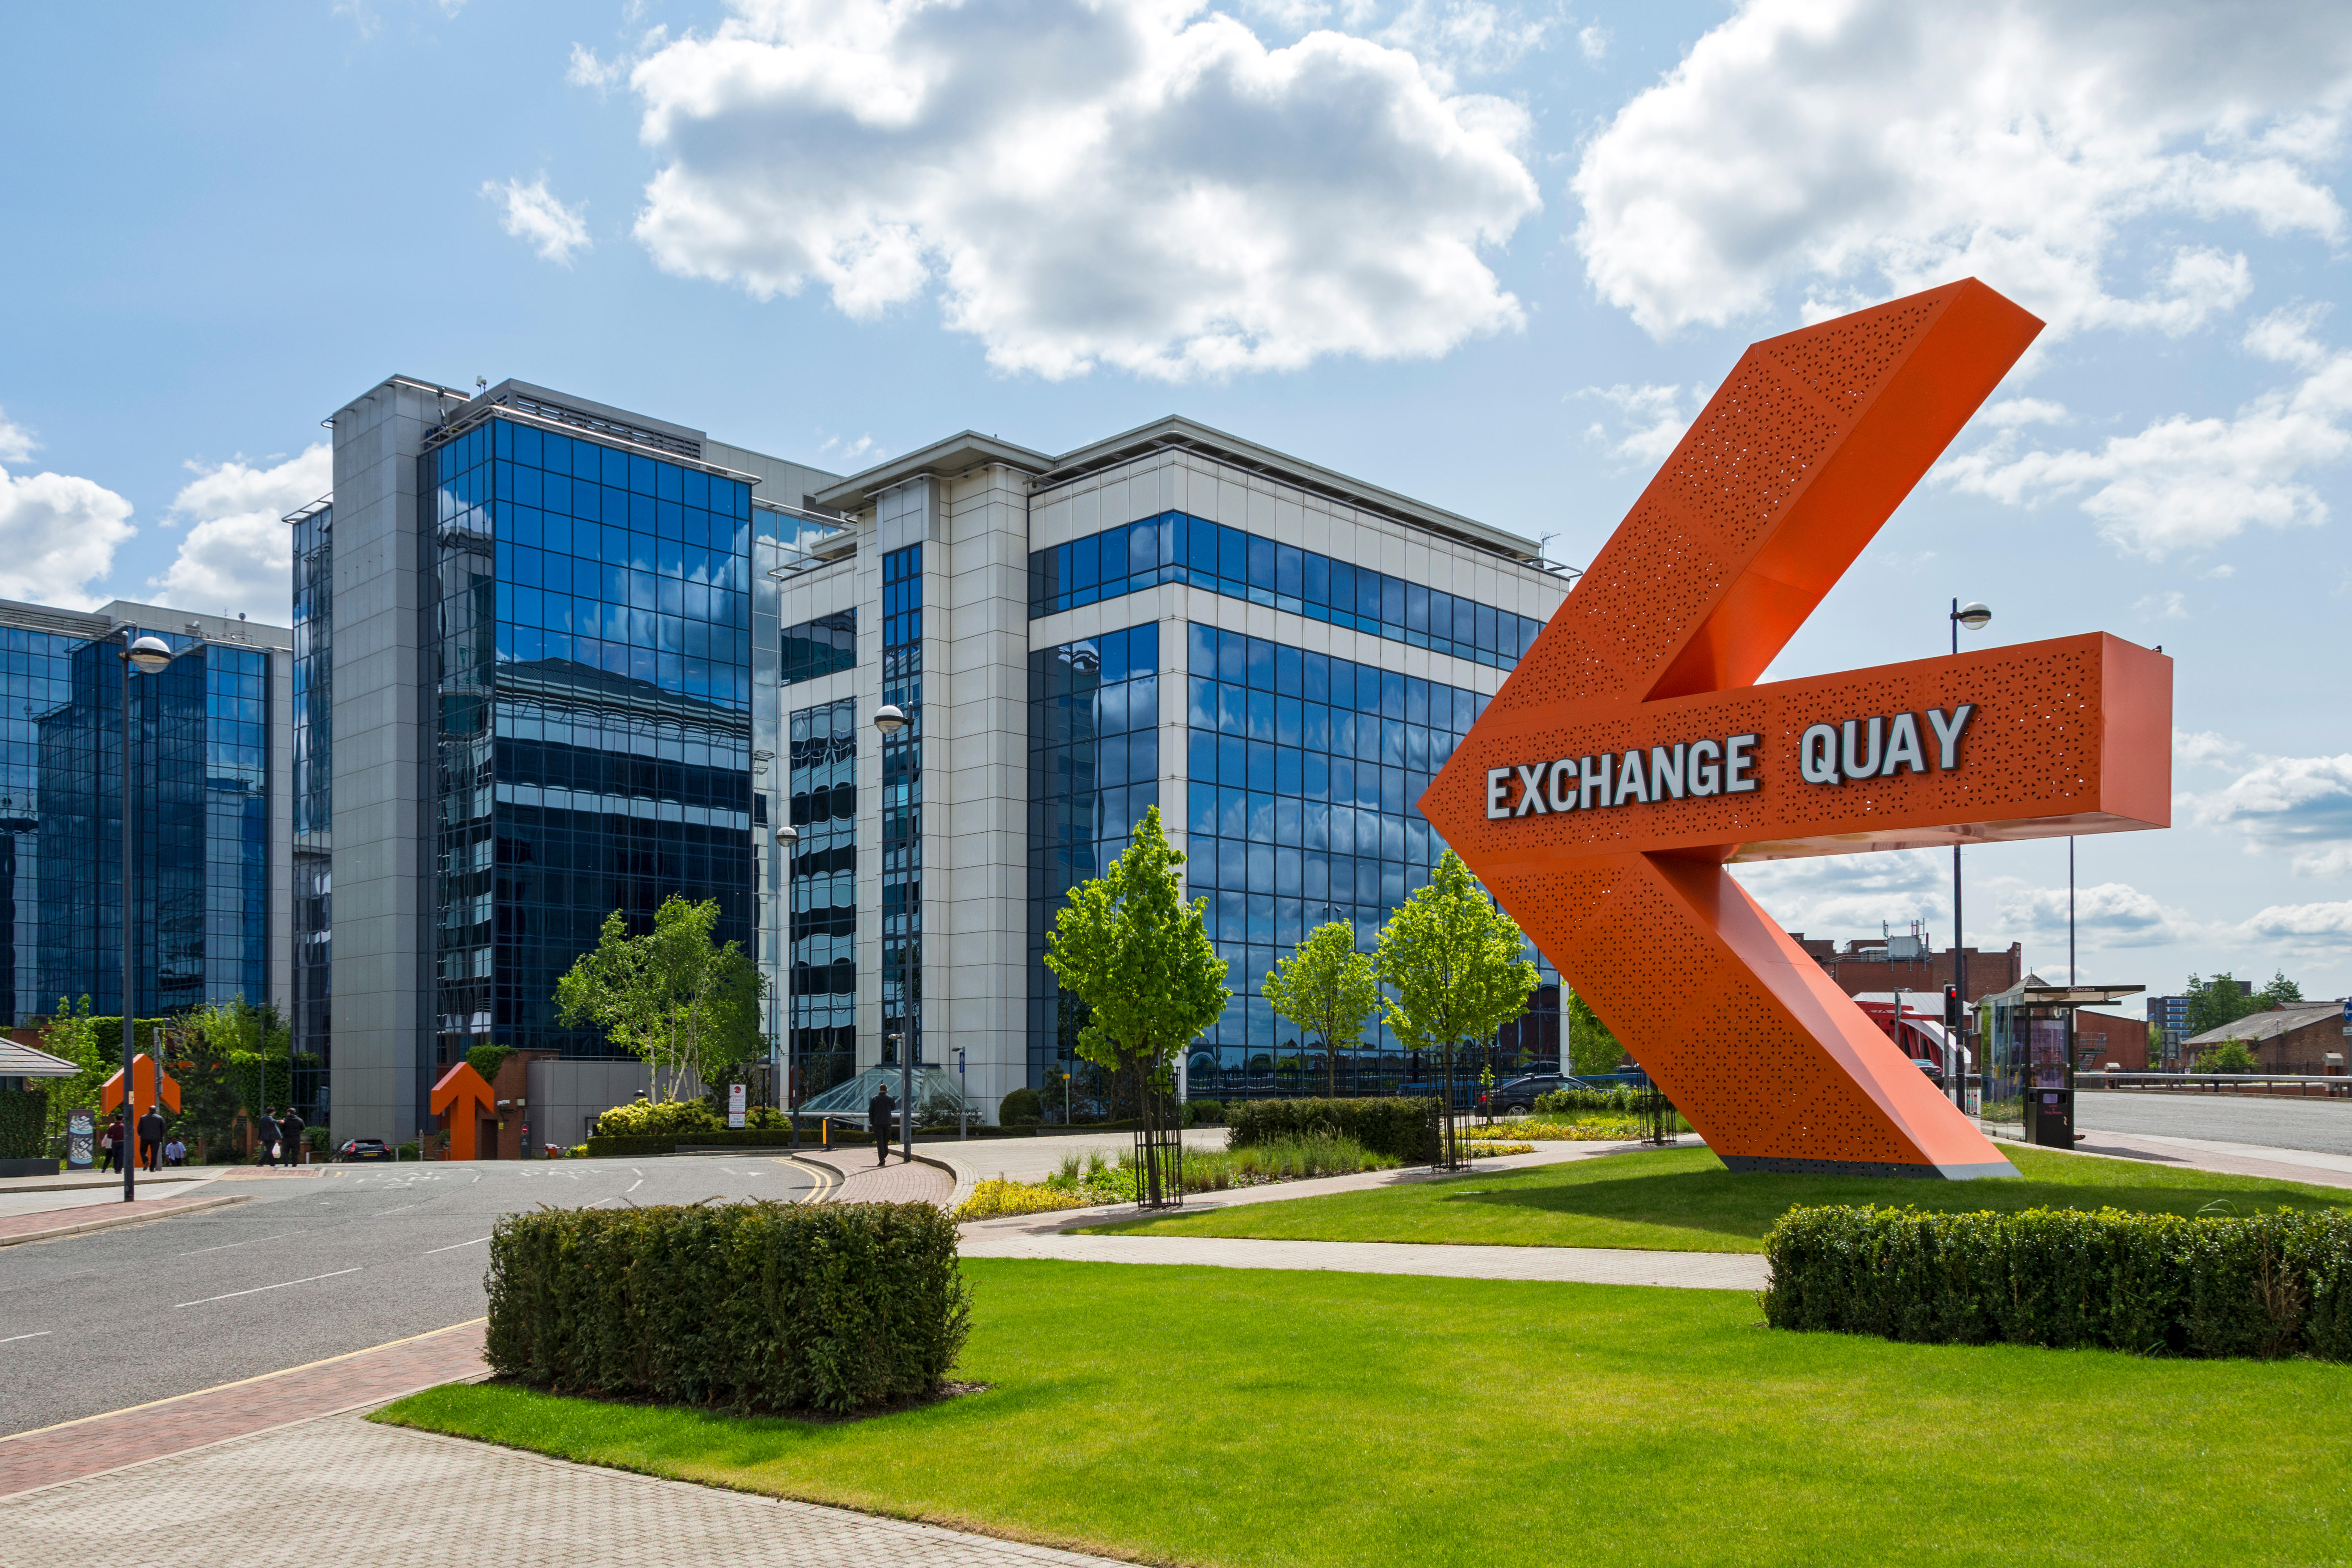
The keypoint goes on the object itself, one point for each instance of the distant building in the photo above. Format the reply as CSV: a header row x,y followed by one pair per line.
x,y
2172,1014
1904,962
2102,1038
2292,1038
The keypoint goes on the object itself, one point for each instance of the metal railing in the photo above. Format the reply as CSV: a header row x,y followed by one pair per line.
x,y
2214,1082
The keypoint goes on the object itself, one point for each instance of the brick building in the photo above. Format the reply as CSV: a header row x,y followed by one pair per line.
x,y
2102,1038
2292,1038
1906,964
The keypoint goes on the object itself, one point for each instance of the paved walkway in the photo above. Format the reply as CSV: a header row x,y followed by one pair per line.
x,y
863,1181
46,1224
1027,1237
2316,1169
341,1489
49,1455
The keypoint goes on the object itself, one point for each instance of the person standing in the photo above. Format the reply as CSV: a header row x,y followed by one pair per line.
x,y
110,1145
290,1127
266,1137
880,1112
151,1140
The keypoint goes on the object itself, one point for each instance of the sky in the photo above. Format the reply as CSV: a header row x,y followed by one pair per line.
x,y
1493,256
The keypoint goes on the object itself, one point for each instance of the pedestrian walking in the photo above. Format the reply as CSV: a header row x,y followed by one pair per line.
x,y
266,1137
110,1146
880,1112
290,1128
151,1140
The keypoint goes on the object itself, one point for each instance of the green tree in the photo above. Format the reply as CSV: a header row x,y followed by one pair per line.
x,y
1591,1046
2215,1001
2280,992
2230,1055
673,997
1454,962
1129,947
72,1033
1327,988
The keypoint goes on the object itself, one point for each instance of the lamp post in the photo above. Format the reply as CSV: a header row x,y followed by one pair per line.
x,y
787,838
149,656
889,719
1975,616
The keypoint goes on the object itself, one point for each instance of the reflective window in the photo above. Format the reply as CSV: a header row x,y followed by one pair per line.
x,y
1175,547
822,647
823,1030
902,805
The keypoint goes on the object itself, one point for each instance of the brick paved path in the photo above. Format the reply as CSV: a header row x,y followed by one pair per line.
x,y
85,1447
83,1218
344,1490
897,1183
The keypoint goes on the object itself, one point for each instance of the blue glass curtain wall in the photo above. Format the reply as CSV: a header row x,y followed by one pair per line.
x,y
1093,769
313,771
822,647
201,744
823,956
592,624
1174,547
902,805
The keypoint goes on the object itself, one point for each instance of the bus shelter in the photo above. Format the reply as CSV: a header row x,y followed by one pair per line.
x,y
2029,1055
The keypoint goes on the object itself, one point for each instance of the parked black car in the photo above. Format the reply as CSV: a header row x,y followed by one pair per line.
x,y
364,1148
1519,1093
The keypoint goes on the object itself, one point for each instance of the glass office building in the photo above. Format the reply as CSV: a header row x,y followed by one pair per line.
x,y
206,851
313,735
590,613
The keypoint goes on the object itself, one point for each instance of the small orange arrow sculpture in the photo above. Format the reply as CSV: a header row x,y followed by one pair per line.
x,y
1629,757
464,1099
142,1089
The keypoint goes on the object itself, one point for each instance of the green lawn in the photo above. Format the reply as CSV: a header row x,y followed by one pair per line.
x,y
1683,1200
1228,1416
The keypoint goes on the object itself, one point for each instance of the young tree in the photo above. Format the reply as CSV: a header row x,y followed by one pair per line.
x,y
1453,960
72,1033
1327,988
1129,947
672,997
1593,1048
2219,1000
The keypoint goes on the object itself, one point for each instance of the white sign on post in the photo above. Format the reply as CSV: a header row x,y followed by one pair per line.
x,y
734,1105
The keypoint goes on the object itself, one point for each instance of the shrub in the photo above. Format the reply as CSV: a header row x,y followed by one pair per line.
x,y
1397,1128
402,1152
25,1124
1021,1108
1619,1098
658,1118
998,1196
486,1058
2265,1284
1204,1113
2230,1055
745,1307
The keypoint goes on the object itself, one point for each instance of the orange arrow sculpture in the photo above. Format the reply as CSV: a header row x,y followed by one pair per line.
x,y
1629,757
464,1099
142,1089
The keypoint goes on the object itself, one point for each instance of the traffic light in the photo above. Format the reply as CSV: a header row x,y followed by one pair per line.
x,y
1951,1007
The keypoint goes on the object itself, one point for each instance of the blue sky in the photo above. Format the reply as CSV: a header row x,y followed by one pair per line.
x,y
1491,255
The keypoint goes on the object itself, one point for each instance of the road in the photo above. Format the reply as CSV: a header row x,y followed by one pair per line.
x,y
308,1268
2323,1126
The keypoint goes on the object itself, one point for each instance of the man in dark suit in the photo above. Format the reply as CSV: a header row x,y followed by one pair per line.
x,y
151,1138
265,1133
290,1135
880,1112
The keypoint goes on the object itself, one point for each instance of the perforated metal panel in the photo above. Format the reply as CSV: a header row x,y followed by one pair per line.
x,y
1798,459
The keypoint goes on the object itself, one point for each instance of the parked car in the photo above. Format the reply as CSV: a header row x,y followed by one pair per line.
x,y
1927,1065
364,1148
1519,1093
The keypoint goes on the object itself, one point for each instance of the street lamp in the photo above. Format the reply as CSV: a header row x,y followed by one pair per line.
x,y
1975,615
889,719
148,656
787,836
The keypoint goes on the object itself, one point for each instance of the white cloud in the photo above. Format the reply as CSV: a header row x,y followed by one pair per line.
x,y
2172,605
56,534
587,71
848,451
535,216
2106,915
16,443
237,555
2203,747
1853,148
1593,39
2011,413
2301,806
2304,925
1652,421
2184,484
1134,183
1464,37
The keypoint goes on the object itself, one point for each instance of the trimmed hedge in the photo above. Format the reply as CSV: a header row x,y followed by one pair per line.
x,y
1620,1098
1395,1127
743,1307
25,1124
2265,1284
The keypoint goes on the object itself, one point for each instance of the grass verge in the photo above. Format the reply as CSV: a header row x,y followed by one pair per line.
x,y
1683,1200
1294,1420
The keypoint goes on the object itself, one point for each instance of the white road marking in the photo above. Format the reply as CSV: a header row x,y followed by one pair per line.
x,y
454,1245
258,1290
37,1333
249,1241
633,1186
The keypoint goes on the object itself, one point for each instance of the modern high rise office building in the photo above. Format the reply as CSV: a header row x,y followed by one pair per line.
x,y
556,659
210,813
